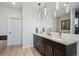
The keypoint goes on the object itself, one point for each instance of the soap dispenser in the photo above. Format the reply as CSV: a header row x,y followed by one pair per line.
x,y
36,30
43,29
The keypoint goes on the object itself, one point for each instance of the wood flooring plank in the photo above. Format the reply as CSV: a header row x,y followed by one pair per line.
x,y
13,51
17,50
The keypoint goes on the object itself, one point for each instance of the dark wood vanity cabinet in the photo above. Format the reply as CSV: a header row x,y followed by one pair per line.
x,y
47,47
59,49
41,45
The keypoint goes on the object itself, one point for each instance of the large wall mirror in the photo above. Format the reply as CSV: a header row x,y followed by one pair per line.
x,y
67,18
76,21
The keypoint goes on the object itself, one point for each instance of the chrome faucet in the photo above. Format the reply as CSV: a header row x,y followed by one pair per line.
x,y
60,33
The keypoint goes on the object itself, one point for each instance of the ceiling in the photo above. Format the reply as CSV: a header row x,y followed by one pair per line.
x,y
9,4
62,8
50,5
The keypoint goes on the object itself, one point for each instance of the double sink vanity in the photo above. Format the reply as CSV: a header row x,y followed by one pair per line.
x,y
56,44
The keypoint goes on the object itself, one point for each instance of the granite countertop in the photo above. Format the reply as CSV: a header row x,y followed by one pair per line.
x,y
57,39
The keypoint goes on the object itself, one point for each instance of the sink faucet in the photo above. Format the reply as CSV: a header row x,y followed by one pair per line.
x,y
60,33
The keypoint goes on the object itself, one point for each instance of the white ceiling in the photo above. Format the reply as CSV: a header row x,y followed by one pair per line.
x,y
53,4
50,5
9,4
62,8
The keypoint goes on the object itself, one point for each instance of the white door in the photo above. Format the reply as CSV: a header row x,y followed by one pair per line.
x,y
14,31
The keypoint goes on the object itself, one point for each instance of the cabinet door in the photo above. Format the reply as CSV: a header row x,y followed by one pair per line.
x,y
48,49
46,46
58,52
41,46
59,49
38,43
41,49
34,41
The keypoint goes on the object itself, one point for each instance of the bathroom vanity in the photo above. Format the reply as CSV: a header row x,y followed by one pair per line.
x,y
48,45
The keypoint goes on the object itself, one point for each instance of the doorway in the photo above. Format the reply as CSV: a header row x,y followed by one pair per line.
x,y
14,31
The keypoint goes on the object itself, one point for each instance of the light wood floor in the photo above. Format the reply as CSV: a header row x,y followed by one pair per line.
x,y
18,51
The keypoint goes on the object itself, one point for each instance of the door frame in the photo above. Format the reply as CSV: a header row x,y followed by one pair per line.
x,y
21,30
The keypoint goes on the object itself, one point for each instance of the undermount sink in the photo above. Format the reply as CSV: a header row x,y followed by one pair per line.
x,y
57,38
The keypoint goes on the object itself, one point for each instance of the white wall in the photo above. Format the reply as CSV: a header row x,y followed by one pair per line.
x,y
31,21
5,13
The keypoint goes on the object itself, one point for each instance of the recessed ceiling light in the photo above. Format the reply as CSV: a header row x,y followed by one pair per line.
x,y
13,3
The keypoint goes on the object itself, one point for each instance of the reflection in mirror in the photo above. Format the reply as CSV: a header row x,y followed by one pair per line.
x,y
76,21
67,18
63,18
63,23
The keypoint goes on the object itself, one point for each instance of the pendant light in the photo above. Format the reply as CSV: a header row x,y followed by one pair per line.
x,y
45,10
39,15
65,4
39,11
57,5
67,7
55,13
13,3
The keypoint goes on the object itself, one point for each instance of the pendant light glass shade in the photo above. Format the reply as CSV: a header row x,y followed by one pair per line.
x,y
54,13
39,14
57,5
45,11
67,8
65,4
13,3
